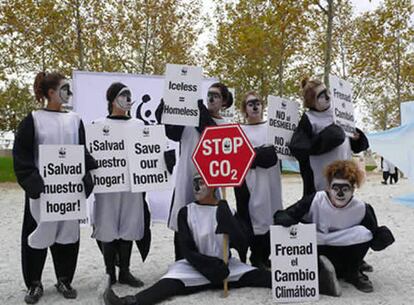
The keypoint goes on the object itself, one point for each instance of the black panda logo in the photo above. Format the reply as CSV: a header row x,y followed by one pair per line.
x,y
143,114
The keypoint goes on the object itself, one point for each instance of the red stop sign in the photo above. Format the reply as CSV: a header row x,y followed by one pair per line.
x,y
223,155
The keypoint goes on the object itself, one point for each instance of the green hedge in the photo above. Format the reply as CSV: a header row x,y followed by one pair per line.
x,y
6,170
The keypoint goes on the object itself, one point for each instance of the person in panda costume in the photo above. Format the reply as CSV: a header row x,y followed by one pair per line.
x,y
201,225
260,195
219,97
318,141
48,126
119,218
346,227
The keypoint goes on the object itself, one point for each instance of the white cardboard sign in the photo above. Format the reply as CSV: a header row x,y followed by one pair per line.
x,y
294,263
106,143
148,171
341,95
62,168
282,120
182,90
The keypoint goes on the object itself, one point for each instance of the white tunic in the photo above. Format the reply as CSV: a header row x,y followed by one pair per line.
x,y
183,192
52,127
320,120
264,185
202,222
119,215
338,226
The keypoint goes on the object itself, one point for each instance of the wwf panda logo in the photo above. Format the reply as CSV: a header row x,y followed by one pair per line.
x,y
145,112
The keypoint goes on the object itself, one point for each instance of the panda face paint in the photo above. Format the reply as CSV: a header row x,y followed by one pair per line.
x,y
124,99
323,101
340,192
200,189
214,100
64,91
254,108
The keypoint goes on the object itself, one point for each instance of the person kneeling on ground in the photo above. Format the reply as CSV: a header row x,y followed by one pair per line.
x,y
346,228
201,225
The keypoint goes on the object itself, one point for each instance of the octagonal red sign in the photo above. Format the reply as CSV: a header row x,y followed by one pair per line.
x,y
223,155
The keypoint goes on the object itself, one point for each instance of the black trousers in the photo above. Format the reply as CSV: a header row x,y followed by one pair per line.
x,y
260,248
385,176
346,259
166,288
65,257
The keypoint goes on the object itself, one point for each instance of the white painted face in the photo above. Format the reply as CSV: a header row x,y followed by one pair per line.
x,y
65,94
124,99
323,101
254,107
214,100
340,192
200,189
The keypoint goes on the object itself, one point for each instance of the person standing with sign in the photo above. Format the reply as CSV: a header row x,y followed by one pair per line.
x,y
346,227
260,195
219,97
121,217
318,141
50,125
201,226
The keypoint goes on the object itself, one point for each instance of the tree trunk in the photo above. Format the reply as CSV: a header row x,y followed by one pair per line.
x,y
81,65
328,47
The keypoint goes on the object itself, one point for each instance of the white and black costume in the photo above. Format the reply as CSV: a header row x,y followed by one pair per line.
x,y
317,142
260,195
47,127
201,229
120,218
183,191
344,235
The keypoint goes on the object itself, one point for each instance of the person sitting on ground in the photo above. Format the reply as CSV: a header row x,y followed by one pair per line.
x,y
201,225
346,227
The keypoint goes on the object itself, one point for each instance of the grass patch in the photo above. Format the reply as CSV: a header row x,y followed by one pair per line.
x,y
370,168
6,170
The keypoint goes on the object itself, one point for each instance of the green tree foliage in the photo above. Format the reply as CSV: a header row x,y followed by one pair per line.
x,y
16,102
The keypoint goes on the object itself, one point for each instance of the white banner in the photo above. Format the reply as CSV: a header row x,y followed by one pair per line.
x,y
182,90
148,171
62,168
282,120
341,95
294,263
106,143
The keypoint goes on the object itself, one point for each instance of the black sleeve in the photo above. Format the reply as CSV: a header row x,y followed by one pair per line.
x,y
90,162
329,138
233,225
361,144
26,171
213,268
293,214
266,157
300,143
174,132
382,237
169,159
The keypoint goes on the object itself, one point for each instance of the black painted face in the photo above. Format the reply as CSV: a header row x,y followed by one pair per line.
x,y
341,192
200,189
214,100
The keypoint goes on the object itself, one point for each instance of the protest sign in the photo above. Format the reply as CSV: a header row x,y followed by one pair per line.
x,y
182,90
282,120
343,108
106,143
62,168
294,263
223,155
148,171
